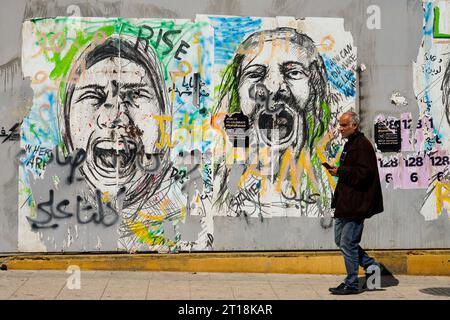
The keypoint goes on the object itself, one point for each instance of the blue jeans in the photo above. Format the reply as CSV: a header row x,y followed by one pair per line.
x,y
347,235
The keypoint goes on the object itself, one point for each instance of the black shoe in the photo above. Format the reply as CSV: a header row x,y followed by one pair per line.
x,y
345,290
337,288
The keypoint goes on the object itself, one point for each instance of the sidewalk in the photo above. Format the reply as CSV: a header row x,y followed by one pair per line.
x,y
95,285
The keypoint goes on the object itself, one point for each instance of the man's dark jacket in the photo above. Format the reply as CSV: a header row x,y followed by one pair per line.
x,y
358,192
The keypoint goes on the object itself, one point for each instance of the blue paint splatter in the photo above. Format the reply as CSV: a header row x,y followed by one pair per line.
x,y
428,23
41,127
341,78
229,32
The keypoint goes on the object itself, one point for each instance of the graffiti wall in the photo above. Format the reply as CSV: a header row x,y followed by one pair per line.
x,y
202,126
120,108
280,85
431,135
142,131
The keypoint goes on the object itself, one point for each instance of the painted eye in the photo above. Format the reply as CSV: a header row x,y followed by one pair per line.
x,y
91,95
255,72
139,93
295,74
135,94
254,75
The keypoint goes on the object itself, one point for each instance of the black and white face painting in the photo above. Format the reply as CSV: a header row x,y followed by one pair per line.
x,y
279,82
111,113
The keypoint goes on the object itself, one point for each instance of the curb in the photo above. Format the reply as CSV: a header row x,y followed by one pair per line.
x,y
408,262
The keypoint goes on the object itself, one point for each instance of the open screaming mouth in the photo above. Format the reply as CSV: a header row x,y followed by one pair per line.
x,y
110,155
276,128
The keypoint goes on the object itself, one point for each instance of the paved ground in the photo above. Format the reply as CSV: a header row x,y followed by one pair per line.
x,y
15,284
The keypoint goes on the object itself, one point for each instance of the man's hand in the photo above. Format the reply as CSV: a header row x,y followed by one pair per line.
x,y
333,171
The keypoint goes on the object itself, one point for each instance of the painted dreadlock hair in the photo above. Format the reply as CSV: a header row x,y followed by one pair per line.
x,y
316,110
317,106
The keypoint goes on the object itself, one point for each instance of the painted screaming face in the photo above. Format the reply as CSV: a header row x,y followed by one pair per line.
x,y
274,90
111,113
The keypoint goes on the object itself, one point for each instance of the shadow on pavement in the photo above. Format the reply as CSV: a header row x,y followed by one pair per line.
x,y
443,292
387,279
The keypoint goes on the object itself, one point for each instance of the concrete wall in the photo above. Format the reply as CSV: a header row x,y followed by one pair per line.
x,y
387,52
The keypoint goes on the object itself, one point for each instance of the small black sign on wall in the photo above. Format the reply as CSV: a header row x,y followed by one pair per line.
x,y
236,127
388,137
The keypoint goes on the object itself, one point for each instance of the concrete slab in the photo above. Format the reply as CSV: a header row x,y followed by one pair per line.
x,y
255,292
8,286
17,284
40,288
168,290
91,289
130,289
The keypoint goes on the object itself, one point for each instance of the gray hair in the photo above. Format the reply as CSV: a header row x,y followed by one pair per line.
x,y
354,117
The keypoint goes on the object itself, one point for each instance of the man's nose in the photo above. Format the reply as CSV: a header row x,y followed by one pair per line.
x,y
277,89
113,114
122,118
274,84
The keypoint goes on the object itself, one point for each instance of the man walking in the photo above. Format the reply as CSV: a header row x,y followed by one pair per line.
x,y
357,197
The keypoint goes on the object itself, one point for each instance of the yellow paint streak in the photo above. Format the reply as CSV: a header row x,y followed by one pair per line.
x,y
306,162
295,170
105,197
183,213
252,171
205,130
140,230
152,217
442,194
165,137
146,234
192,131
320,152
